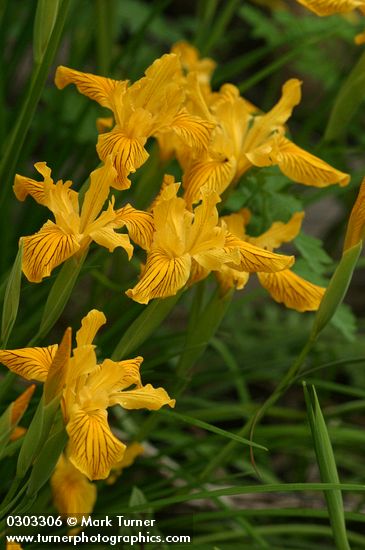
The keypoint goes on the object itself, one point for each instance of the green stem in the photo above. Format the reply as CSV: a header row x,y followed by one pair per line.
x,y
103,35
205,14
221,22
202,325
24,119
249,426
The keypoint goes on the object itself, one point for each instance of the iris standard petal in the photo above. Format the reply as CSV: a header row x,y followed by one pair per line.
x,y
90,325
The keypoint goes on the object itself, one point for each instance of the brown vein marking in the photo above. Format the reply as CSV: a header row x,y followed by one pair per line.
x,y
94,445
295,292
255,259
162,276
194,130
304,167
95,87
45,250
216,175
26,186
139,224
31,363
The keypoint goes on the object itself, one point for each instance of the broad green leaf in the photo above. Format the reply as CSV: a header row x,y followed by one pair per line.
x,y
327,467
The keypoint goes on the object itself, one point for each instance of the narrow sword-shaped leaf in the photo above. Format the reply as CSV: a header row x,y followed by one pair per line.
x,y
336,289
327,467
11,299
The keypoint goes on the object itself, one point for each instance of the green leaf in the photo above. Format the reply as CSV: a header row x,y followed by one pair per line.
x,y
313,253
345,321
210,428
336,289
11,299
45,18
251,489
145,324
36,434
59,294
137,497
5,428
347,102
201,330
24,119
46,461
327,467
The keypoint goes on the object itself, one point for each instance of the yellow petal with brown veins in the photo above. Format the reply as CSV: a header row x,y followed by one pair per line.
x,y
92,447
146,397
297,164
214,174
45,250
95,87
30,363
329,7
279,233
139,224
288,288
128,154
162,276
254,259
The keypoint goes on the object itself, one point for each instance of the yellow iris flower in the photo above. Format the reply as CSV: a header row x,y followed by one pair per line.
x,y
187,246
192,63
72,492
245,137
284,286
74,229
330,7
152,106
89,389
